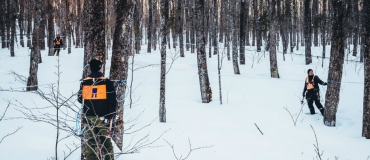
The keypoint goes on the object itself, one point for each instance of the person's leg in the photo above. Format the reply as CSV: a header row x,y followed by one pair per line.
x,y
310,102
319,106
107,146
91,136
58,49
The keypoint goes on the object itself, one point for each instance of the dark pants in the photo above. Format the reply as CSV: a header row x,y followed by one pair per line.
x,y
314,96
57,49
98,144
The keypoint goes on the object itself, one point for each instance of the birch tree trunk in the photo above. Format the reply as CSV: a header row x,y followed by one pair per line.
x,y
272,36
307,31
205,88
32,81
94,35
336,66
366,112
50,27
164,31
120,56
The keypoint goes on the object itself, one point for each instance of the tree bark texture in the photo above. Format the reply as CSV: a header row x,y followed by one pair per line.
x,y
164,31
272,36
366,112
234,47
119,61
336,66
32,81
242,31
94,35
205,88
307,31
50,27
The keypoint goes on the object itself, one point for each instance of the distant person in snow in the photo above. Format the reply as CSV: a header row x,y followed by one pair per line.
x,y
98,96
57,43
311,85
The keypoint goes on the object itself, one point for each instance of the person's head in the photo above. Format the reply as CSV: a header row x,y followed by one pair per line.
x,y
310,72
58,36
96,65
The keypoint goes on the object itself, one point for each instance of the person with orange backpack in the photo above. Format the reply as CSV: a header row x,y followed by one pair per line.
x,y
311,86
58,42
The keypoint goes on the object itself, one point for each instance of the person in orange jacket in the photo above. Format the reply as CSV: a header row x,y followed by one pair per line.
x,y
311,86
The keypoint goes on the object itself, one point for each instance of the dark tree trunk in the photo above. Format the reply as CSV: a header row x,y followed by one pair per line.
x,y
180,22
255,18
366,112
68,28
120,56
247,23
272,36
215,27
205,88
94,40
2,24
187,34
193,24
324,31
78,30
32,81
42,28
228,30
315,14
242,31
336,66
8,22
29,23
307,31
21,22
154,27
164,31
150,26
12,18
234,34
51,28
355,19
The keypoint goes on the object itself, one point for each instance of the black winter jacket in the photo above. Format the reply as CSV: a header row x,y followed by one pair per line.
x,y
316,80
101,107
61,42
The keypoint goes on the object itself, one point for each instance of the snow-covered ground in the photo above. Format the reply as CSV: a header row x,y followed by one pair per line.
x,y
228,130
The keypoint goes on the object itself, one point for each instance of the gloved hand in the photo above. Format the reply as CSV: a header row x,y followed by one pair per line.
x,y
303,94
301,101
325,84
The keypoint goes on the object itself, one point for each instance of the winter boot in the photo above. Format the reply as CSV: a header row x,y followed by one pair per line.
x,y
322,110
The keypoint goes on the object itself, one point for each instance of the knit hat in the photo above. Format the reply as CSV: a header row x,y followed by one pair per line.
x,y
308,72
95,65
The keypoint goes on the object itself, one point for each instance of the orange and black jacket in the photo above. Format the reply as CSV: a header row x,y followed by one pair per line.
x,y
60,42
103,107
316,81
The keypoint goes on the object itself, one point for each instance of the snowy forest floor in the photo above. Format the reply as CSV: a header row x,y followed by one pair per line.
x,y
249,99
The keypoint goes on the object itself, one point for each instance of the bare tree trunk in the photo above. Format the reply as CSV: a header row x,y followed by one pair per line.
x,y
193,24
8,21
366,112
355,19
29,23
242,31
255,18
188,24
78,31
12,13
164,31
272,34
315,14
21,21
68,27
228,30
180,17
336,66
215,27
50,27
234,49
42,27
120,56
247,22
94,40
205,88
32,81
2,23
150,26
324,31
307,31
154,28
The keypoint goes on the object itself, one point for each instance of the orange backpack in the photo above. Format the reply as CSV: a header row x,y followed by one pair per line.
x,y
94,92
310,85
57,42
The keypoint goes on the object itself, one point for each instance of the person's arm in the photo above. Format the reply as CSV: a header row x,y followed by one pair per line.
x,y
111,98
79,94
317,79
